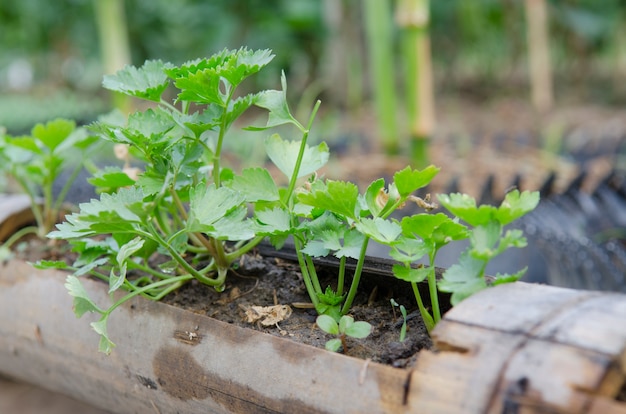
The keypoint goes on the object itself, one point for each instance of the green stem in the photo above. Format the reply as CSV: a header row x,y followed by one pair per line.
x,y
356,279
432,289
177,279
63,193
35,207
313,273
147,269
428,320
19,234
296,169
341,276
217,282
220,141
251,244
305,272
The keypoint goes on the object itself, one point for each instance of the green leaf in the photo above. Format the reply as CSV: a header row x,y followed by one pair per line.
x,y
203,87
120,212
239,106
345,323
381,230
438,228
327,324
285,153
358,330
333,345
411,274
340,197
210,204
50,264
53,133
329,238
147,82
273,222
515,205
276,103
111,178
212,80
316,248
329,304
148,128
199,122
513,238
464,207
105,346
463,279
330,297
126,251
408,250
506,278
352,243
408,180
376,198
89,266
256,184
233,226
484,239
82,302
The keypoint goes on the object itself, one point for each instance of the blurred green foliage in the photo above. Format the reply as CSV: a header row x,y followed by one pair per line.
x,y
478,36
479,41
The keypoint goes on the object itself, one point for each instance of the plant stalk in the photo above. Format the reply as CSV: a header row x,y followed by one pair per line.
x,y
356,278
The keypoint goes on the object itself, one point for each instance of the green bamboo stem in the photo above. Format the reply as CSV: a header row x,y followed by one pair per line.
x,y
378,27
539,55
114,43
413,17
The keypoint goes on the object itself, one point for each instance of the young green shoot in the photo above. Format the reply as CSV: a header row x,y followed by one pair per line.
x,y
36,162
395,304
346,327
191,209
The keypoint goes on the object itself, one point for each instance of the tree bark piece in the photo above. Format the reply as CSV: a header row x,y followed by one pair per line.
x,y
526,348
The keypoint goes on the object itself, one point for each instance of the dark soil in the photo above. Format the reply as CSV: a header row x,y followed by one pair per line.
x,y
266,281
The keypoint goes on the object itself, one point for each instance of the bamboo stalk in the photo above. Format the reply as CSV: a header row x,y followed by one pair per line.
x,y
539,55
378,27
413,17
114,43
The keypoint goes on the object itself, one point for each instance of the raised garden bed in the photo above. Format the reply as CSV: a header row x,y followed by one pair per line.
x,y
519,345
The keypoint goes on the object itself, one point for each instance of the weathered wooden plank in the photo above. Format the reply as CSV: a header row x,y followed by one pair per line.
x,y
525,348
228,369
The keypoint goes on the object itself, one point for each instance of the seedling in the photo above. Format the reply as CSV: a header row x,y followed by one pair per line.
x,y
199,215
36,162
342,221
346,327
426,234
395,304
186,204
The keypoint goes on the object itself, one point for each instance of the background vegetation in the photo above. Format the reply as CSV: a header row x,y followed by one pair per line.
x,y
52,51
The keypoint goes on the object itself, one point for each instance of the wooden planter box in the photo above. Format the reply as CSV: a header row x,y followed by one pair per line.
x,y
507,348
518,348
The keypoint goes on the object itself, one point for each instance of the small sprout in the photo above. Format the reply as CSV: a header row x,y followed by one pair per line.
x,y
346,327
403,312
